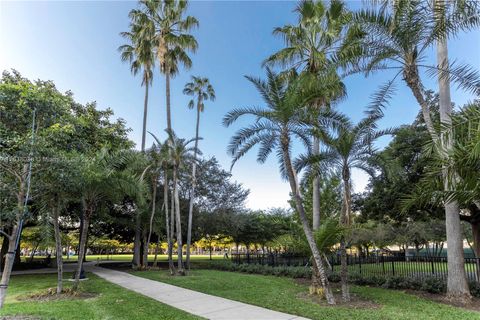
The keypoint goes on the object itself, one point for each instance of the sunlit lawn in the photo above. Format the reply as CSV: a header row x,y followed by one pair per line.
x,y
110,301
283,294
126,257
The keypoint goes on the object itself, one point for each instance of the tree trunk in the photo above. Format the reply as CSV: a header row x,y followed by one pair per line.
x,y
167,94
457,285
285,141
316,188
82,247
145,109
137,241
13,239
411,77
152,215
476,239
167,222
192,192
155,259
145,250
345,221
58,248
316,283
178,225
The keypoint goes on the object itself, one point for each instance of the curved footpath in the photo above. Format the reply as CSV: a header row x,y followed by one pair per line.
x,y
197,303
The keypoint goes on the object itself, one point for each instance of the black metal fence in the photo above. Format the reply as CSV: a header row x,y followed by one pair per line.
x,y
376,265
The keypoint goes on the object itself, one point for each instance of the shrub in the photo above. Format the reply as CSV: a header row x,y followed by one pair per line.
x,y
433,285
430,284
474,289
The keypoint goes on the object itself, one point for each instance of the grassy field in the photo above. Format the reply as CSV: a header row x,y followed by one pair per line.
x,y
110,302
286,295
126,257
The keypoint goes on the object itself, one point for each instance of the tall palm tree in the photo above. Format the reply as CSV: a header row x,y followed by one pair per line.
x,y
396,36
446,13
273,129
350,148
180,153
311,45
202,90
139,53
168,28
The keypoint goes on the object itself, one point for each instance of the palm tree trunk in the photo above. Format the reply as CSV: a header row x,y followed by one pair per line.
x,y
167,222
167,94
345,221
304,220
152,215
178,224
145,110
58,248
192,192
12,239
316,189
457,285
412,79
315,214
172,217
82,247
144,249
137,241
155,258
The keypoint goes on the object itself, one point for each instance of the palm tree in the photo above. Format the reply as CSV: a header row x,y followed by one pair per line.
x,y
168,29
202,90
273,129
311,45
396,36
165,166
350,148
139,53
451,13
180,153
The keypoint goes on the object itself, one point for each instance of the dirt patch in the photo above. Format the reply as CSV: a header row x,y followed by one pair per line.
x,y
356,302
473,305
51,294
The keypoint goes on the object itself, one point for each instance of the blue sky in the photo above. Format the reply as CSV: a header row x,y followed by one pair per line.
x,y
75,45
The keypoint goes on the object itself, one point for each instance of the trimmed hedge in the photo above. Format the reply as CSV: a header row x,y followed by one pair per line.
x,y
428,284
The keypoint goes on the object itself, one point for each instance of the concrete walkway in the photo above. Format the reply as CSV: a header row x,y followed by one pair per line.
x,y
200,304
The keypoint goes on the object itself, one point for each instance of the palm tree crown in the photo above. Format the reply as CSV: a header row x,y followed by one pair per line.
x,y
200,88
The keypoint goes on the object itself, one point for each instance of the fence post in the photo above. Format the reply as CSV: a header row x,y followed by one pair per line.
x,y
433,265
393,266
383,263
360,264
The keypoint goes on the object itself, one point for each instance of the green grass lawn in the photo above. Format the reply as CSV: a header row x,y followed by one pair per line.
x,y
127,257
284,294
110,302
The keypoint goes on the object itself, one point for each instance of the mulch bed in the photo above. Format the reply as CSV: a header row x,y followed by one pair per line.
x,y
51,295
